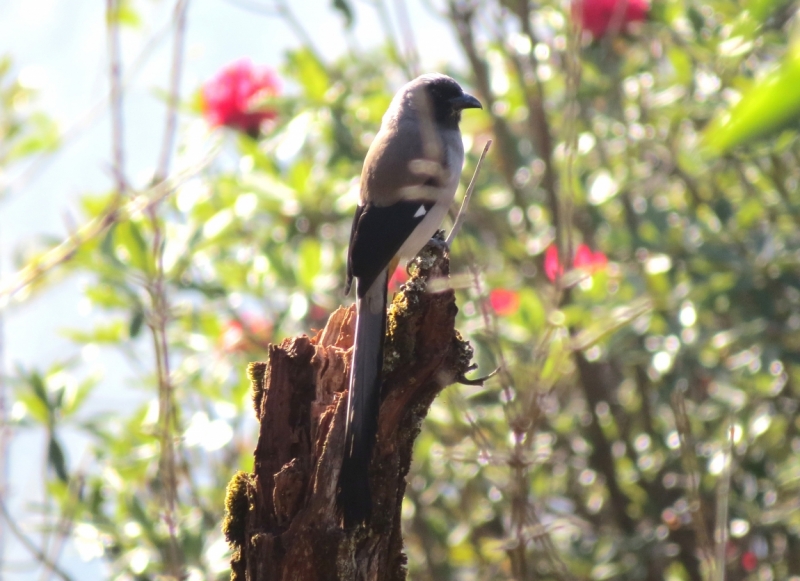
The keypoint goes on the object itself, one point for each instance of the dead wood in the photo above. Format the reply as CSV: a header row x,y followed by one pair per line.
x,y
281,520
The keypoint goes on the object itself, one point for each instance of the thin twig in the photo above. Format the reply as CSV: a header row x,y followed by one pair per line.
x,y
522,507
254,7
723,496
160,315
5,428
407,32
64,526
692,469
181,7
30,545
296,25
462,212
115,81
386,21
158,326
567,192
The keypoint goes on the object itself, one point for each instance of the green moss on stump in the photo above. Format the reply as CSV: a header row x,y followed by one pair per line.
x,y
256,372
237,505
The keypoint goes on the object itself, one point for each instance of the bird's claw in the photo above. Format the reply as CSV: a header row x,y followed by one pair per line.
x,y
438,241
478,380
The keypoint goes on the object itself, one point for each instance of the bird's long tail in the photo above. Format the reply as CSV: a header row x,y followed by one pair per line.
x,y
363,404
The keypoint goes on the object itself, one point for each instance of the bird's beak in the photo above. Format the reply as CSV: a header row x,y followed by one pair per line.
x,y
465,101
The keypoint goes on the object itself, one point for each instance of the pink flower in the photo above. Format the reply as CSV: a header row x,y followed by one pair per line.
x,y
601,17
233,97
504,301
584,259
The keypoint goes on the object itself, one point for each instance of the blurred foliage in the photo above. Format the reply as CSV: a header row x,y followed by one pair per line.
x,y
24,131
628,396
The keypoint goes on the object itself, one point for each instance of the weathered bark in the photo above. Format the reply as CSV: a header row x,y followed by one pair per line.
x,y
282,521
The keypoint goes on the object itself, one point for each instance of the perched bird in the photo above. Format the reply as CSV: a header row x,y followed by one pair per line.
x,y
409,178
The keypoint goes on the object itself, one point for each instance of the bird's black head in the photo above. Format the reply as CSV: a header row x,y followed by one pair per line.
x,y
446,99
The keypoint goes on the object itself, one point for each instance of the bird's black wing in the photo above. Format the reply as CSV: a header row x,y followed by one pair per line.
x,y
356,218
378,233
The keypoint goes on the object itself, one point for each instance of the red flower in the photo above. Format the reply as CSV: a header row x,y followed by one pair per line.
x,y
399,276
601,17
504,301
749,561
232,97
584,259
318,312
552,266
251,333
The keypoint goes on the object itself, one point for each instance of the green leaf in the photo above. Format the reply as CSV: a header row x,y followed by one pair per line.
x,y
74,398
95,204
129,240
56,459
682,64
107,246
139,514
760,10
39,390
137,320
5,65
532,311
766,108
305,67
58,397
107,296
113,332
344,8
125,15
42,137
36,409
310,261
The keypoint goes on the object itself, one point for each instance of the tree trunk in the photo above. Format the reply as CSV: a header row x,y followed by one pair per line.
x,y
281,520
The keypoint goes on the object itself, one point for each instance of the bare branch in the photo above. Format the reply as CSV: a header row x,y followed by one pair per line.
x,y
567,193
386,21
296,25
160,314
407,33
65,522
176,71
30,545
115,81
462,213
5,431
723,494
692,468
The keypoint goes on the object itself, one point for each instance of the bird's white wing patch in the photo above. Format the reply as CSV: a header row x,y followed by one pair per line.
x,y
421,212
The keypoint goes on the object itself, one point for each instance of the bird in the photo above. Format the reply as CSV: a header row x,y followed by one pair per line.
x,y
408,181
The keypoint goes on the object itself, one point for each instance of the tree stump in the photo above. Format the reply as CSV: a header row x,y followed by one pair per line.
x,y
281,520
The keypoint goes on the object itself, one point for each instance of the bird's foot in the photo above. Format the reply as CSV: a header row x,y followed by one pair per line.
x,y
438,241
433,253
